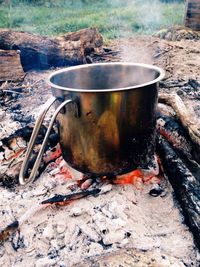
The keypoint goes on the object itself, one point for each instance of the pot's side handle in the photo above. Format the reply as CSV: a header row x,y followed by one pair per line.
x,y
22,179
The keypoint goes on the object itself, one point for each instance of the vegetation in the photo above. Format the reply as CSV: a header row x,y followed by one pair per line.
x,y
114,18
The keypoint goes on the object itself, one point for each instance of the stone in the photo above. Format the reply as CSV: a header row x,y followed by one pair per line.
x,y
61,226
61,242
90,233
118,223
107,213
76,211
71,234
95,249
123,243
101,227
113,237
45,262
48,232
106,188
117,210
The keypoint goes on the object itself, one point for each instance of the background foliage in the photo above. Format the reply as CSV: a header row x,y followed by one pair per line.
x,y
114,18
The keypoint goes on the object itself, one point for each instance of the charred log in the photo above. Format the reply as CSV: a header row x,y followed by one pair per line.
x,y
185,185
39,52
172,130
188,120
25,133
12,149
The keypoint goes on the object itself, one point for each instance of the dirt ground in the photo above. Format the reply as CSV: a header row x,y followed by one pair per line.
x,y
179,59
138,229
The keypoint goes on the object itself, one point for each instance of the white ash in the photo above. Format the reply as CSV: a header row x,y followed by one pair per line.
x,y
76,211
92,226
7,125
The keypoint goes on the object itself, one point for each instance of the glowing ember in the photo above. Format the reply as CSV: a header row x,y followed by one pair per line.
x,y
64,171
139,177
16,154
52,154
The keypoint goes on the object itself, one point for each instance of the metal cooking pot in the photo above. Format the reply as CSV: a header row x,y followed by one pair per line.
x,y
106,117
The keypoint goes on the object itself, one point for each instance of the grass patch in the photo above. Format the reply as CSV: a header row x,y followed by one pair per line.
x,y
114,20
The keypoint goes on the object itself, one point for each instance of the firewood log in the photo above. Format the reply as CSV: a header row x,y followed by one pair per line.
x,y
172,130
43,52
188,120
10,66
186,186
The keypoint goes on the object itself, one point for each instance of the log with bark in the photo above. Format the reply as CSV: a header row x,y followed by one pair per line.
x,y
188,119
10,66
186,185
39,52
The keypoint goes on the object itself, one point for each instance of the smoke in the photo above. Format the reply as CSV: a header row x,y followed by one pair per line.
x,y
150,15
130,18
140,16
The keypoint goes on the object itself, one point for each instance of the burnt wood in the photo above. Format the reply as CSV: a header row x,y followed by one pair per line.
x,y
10,66
40,52
172,130
186,186
74,196
9,177
188,119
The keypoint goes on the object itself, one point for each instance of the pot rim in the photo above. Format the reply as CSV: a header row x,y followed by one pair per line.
x,y
147,66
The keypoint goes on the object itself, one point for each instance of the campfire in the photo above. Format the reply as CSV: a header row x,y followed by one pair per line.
x,y
94,218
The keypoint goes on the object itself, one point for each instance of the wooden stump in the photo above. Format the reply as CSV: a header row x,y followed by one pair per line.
x,y
192,14
39,52
10,66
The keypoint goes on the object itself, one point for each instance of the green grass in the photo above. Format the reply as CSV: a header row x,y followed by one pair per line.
x,y
114,20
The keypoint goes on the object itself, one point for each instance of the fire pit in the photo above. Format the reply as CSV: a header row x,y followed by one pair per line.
x,y
118,224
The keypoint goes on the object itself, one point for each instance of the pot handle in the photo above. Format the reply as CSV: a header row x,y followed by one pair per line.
x,y
39,121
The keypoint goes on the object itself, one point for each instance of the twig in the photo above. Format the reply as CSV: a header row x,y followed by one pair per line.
x,y
13,92
73,196
169,84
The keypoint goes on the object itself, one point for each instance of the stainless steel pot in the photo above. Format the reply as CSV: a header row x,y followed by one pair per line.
x,y
106,117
